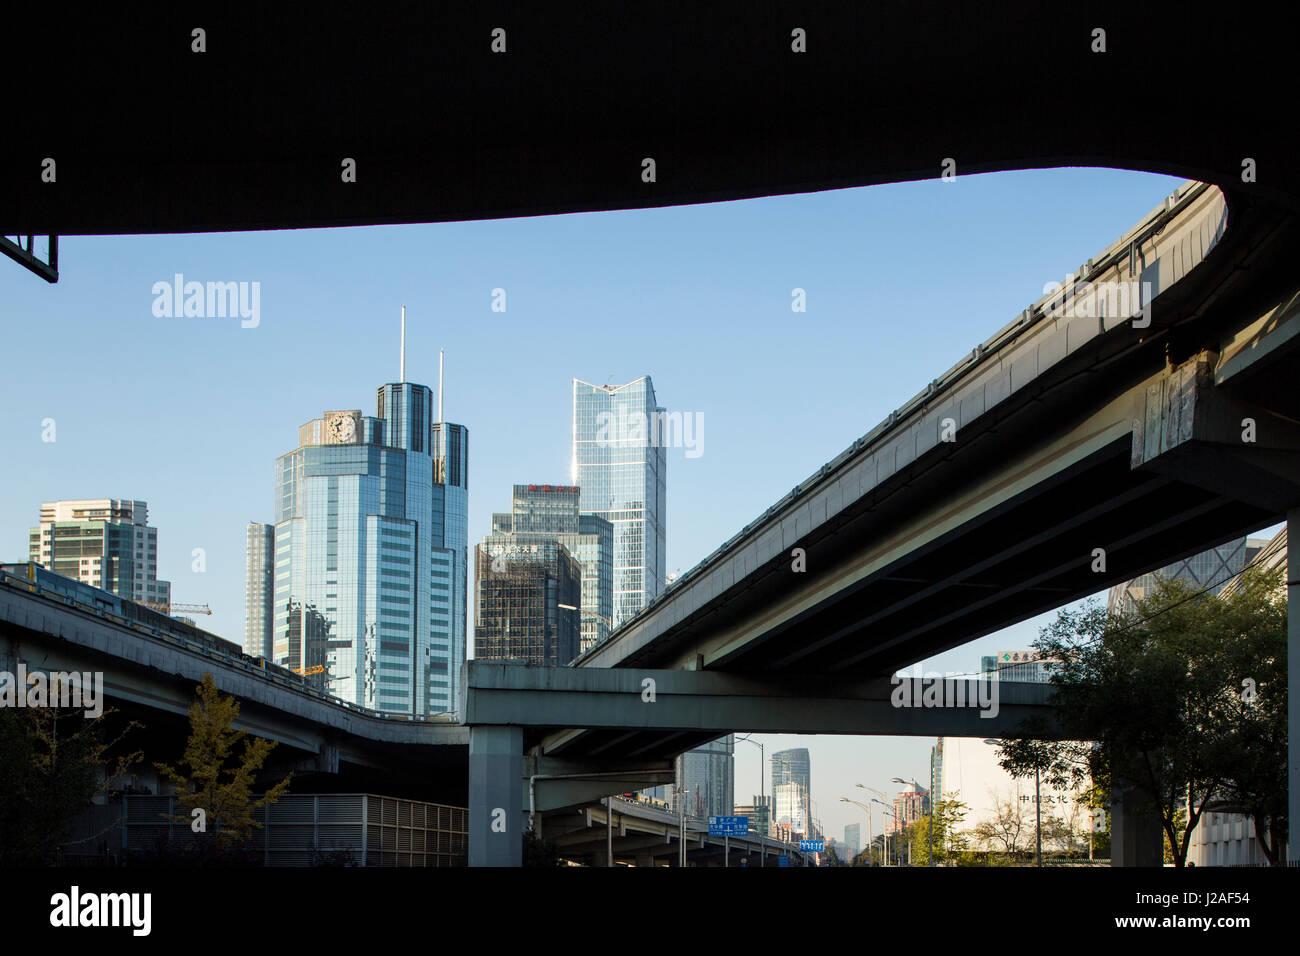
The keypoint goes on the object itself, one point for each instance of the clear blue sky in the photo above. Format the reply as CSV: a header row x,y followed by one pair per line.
x,y
190,414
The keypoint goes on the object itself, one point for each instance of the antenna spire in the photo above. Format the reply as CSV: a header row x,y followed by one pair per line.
x,y
402,374
440,386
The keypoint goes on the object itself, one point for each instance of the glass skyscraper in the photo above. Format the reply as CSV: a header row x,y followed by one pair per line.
x,y
707,774
371,531
791,784
1210,569
526,603
259,589
620,464
549,513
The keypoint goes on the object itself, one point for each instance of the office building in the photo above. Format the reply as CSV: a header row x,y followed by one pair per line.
x,y
910,805
550,514
707,774
853,839
1025,667
759,812
104,542
526,603
259,589
791,787
1210,570
620,463
371,519
970,772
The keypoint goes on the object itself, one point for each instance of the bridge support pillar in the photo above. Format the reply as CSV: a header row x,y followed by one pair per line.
x,y
496,817
1136,838
1293,680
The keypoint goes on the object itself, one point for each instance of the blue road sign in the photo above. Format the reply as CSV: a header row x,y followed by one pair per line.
x,y
813,846
782,861
728,826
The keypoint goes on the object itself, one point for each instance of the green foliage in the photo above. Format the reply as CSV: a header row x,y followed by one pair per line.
x,y
50,765
949,842
205,782
1160,694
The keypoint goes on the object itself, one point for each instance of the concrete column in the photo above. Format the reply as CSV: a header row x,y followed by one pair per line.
x,y
1293,677
645,860
496,817
1136,837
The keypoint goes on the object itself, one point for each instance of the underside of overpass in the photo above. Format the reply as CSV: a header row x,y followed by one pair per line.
x,y
447,120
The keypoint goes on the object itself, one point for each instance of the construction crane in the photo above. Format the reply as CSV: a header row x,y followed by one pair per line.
x,y
308,672
168,608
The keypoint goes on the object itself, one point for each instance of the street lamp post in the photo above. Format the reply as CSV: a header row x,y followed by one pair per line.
x,y
867,807
762,786
886,809
870,859
681,831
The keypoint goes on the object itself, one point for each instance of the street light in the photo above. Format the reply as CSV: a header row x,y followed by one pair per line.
x,y
885,807
865,806
870,859
681,833
1038,810
762,786
930,825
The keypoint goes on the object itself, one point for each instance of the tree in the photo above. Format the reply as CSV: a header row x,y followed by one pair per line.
x,y
1160,693
50,764
1007,829
1256,707
949,842
223,793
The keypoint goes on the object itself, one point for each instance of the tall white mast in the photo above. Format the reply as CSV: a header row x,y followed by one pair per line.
x,y
439,386
402,375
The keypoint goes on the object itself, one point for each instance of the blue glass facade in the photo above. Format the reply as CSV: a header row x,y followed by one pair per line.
x,y
542,513
370,539
621,468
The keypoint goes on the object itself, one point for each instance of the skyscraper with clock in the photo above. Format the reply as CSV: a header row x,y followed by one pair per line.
x,y
371,535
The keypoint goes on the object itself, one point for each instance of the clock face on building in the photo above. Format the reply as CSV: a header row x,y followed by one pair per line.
x,y
342,429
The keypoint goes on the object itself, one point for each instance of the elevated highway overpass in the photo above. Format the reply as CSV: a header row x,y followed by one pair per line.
x,y
628,832
1072,433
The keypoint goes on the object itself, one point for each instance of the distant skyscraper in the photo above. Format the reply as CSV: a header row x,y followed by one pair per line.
x,y
527,603
549,513
791,785
1209,569
621,466
104,542
853,839
370,543
707,774
259,589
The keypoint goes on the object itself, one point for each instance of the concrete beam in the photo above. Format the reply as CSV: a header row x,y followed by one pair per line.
x,y
552,783
592,698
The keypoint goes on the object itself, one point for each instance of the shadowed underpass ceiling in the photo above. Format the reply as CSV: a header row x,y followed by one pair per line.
x,y
149,136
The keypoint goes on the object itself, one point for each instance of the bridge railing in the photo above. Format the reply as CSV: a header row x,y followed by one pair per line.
x,y
240,661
